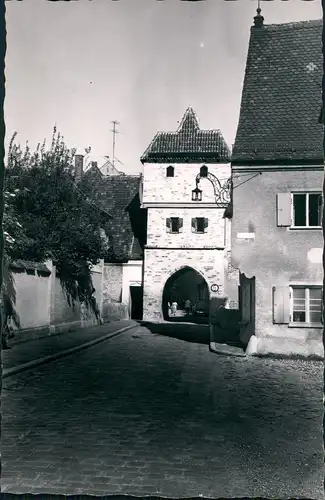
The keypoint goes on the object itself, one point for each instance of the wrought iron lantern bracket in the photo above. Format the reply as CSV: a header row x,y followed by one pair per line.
x,y
222,192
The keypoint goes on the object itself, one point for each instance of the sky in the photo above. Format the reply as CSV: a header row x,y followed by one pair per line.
x,y
80,65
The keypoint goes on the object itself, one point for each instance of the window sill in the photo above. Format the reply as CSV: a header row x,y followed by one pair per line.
x,y
305,325
302,228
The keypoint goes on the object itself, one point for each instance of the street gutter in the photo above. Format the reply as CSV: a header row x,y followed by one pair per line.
x,y
61,354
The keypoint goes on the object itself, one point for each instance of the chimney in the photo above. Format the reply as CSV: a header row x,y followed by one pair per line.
x,y
78,167
258,19
94,163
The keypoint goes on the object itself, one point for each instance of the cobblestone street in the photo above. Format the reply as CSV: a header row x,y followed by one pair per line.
x,y
143,413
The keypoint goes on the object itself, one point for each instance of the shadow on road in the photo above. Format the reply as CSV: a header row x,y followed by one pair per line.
x,y
189,332
196,320
196,333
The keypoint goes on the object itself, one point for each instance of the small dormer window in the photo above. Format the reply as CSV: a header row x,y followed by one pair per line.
x,y
204,171
170,171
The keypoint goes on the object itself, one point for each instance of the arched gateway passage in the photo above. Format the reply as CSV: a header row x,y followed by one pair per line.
x,y
186,285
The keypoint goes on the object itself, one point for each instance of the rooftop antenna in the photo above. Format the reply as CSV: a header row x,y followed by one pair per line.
x,y
120,162
114,137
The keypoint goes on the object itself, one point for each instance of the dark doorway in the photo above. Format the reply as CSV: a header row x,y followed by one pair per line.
x,y
190,291
136,296
247,307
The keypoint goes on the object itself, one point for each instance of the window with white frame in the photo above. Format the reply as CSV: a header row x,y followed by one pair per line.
x,y
307,209
306,304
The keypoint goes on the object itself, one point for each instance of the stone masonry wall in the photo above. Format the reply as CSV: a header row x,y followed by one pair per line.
x,y
159,265
157,234
157,188
167,252
112,284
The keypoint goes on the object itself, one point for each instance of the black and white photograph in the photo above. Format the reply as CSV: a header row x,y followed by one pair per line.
x,y
162,276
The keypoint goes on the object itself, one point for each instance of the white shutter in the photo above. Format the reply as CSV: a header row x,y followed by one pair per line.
x,y
168,225
180,225
281,304
283,209
194,225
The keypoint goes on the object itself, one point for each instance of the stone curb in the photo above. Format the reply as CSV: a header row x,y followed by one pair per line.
x,y
292,357
227,350
53,357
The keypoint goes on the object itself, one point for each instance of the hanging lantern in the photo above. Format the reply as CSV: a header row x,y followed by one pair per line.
x,y
197,194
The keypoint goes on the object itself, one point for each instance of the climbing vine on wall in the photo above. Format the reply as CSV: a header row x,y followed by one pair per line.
x,y
54,220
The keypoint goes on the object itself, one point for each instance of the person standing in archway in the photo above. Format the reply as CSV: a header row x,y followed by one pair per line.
x,y
188,307
174,308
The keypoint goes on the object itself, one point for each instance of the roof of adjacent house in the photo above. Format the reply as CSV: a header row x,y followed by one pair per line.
x,y
109,169
24,265
114,194
282,95
188,144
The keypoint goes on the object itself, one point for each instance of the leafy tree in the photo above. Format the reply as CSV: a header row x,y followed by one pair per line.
x,y
13,233
49,216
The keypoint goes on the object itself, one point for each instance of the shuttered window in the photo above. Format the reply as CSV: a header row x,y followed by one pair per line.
x,y
174,225
306,304
200,225
297,304
299,210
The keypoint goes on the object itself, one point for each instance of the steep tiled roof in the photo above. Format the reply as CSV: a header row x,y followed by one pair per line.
x,y
282,95
114,194
188,144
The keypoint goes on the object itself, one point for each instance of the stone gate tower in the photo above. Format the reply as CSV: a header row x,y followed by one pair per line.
x,y
187,193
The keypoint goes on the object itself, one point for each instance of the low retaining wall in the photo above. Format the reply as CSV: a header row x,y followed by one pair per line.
x,y
114,311
27,334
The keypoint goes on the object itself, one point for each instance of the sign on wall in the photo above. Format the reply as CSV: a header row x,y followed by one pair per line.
x,y
214,288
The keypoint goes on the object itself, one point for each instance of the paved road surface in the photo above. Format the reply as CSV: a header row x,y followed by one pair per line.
x,y
149,414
